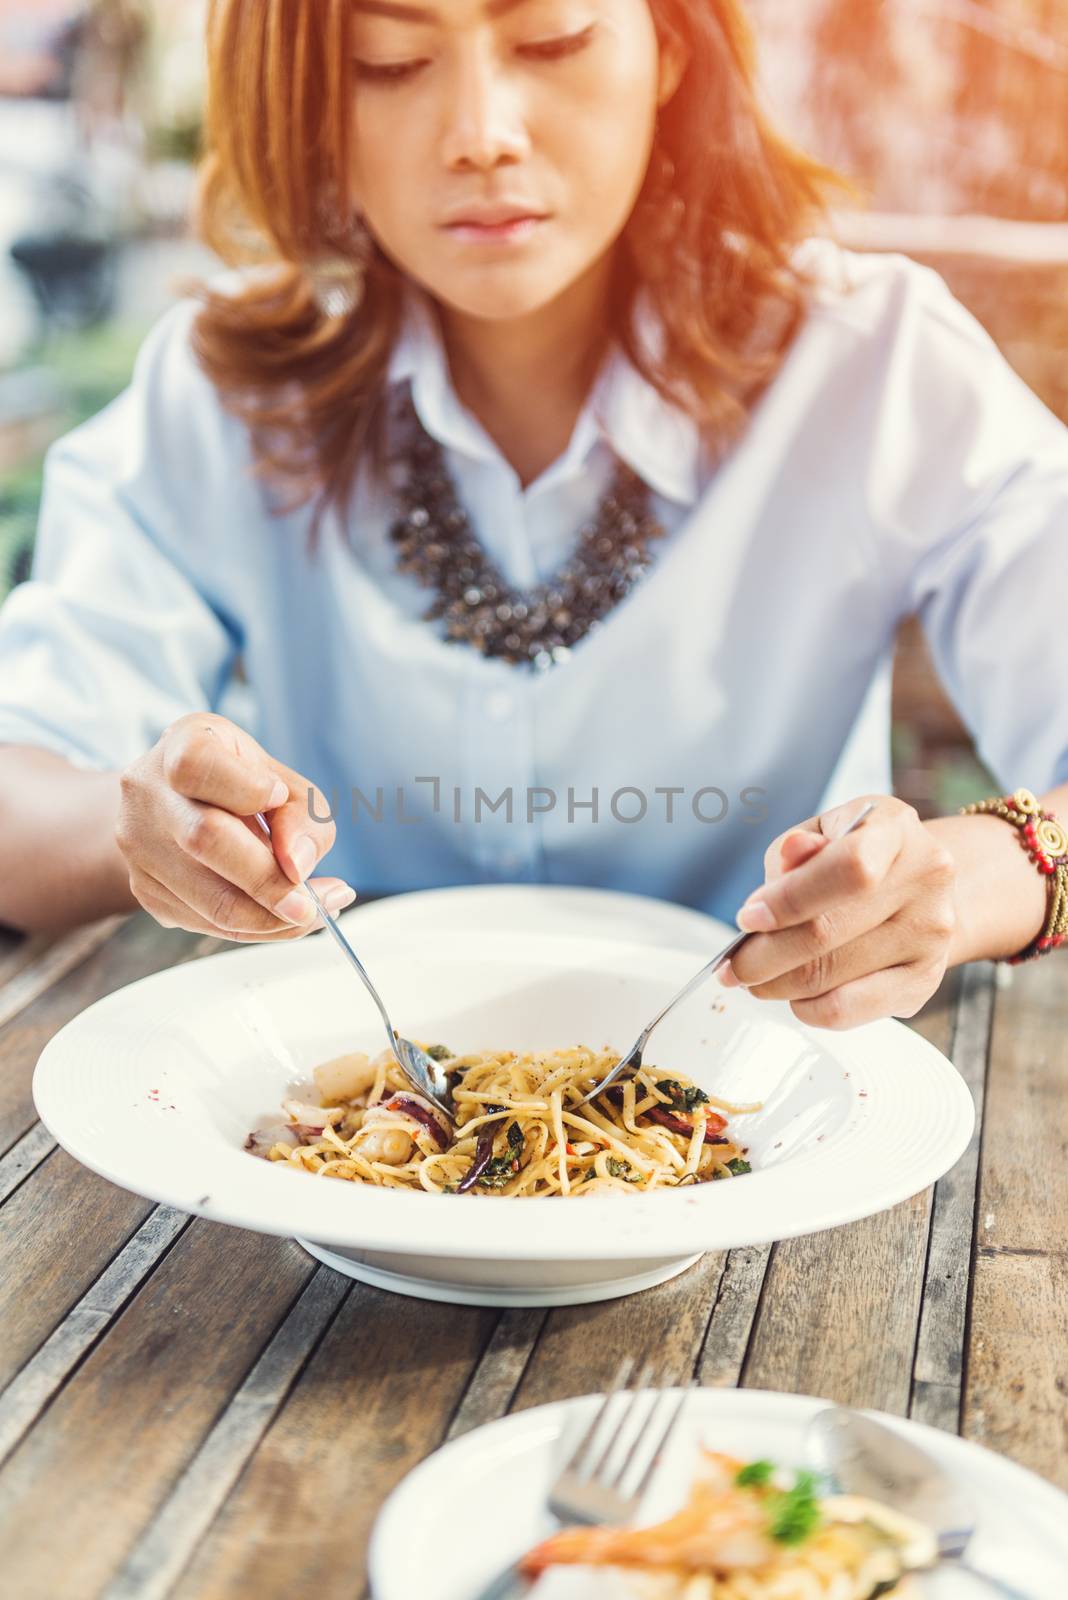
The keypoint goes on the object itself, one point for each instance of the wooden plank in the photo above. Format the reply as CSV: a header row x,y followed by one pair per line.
x,y
582,1346
60,1231
500,1370
138,947
839,1310
24,1158
45,1373
157,1560
36,963
1015,1384
730,1327
938,1365
1016,1391
115,1440
737,1277
376,1398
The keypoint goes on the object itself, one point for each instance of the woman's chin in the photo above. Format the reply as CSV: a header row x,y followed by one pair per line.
x,y
498,291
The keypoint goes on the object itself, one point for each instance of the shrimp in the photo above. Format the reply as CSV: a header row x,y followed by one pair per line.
x,y
722,1529
345,1076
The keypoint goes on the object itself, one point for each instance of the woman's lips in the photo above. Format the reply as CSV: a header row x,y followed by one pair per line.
x,y
514,231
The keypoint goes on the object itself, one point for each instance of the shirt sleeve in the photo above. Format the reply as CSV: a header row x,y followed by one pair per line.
x,y
122,625
969,478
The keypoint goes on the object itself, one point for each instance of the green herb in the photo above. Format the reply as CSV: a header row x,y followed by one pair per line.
x,y
622,1169
439,1052
795,1514
449,1188
682,1099
515,1136
498,1171
755,1475
739,1167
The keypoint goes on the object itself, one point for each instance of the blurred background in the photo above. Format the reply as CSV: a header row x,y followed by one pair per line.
x,y
952,116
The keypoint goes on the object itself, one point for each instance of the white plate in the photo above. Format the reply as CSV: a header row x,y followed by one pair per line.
x,y
157,1085
476,1505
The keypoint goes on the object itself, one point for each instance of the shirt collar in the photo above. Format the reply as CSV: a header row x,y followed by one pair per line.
x,y
661,443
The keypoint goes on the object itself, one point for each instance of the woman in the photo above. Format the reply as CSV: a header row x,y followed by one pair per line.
x,y
539,340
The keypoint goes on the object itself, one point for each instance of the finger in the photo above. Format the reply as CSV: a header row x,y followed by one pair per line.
x,y
227,907
228,847
797,848
214,761
819,970
224,904
173,912
302,828
773,862
165,907
899,991
848,868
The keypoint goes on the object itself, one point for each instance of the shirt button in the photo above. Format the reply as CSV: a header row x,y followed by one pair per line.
x,y
499,705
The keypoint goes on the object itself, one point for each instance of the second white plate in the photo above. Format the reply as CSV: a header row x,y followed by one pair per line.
x,y
476,1505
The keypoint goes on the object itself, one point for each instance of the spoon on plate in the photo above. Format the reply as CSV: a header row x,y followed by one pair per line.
x,y
864,1457
633,1059
426,1076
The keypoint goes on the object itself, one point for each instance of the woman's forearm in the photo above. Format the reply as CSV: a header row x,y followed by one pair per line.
x,y
59,863
1001,896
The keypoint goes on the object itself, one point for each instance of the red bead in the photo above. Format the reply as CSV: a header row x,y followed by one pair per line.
x,y
1043,944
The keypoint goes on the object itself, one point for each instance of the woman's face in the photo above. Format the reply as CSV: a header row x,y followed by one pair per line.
x,y
468,112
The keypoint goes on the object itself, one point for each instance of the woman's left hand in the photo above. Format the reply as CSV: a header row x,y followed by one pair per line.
x,y
851,928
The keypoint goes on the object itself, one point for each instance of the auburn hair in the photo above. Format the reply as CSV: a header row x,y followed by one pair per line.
x,y
711,238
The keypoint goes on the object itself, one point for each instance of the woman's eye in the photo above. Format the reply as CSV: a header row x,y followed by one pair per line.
x,y
545,50
553,49
386,71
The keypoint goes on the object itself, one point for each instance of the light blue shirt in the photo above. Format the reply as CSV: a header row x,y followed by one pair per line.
x,y
896,464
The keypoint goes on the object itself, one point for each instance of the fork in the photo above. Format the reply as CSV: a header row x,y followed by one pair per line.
x,y
632,1061
608,1472
424,1074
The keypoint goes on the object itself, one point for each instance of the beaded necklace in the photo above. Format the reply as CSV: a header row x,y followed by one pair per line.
x,y
538,627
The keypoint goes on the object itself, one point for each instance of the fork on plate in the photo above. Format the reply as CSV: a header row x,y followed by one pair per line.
x,y
611,1467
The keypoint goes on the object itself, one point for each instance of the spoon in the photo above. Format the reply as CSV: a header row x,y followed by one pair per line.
x,y
633,1058
426,1076
866,1458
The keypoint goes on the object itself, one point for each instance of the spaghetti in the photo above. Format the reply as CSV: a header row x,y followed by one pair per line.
x,y
520,1127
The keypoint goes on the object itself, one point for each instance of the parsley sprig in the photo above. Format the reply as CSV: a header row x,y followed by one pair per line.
x,y
794,1513
736,1165
680,1099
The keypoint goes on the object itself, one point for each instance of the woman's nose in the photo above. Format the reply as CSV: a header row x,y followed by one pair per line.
x,y
484,122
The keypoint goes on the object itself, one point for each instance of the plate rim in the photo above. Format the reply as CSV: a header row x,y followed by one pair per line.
x,y
340,1226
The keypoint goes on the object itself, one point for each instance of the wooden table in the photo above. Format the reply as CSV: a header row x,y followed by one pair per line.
x,y
195,1411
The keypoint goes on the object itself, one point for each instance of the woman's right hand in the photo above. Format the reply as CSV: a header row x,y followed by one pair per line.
x,y
196,855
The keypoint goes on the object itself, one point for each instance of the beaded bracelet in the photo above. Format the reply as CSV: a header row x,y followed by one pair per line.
x,y
1046,843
